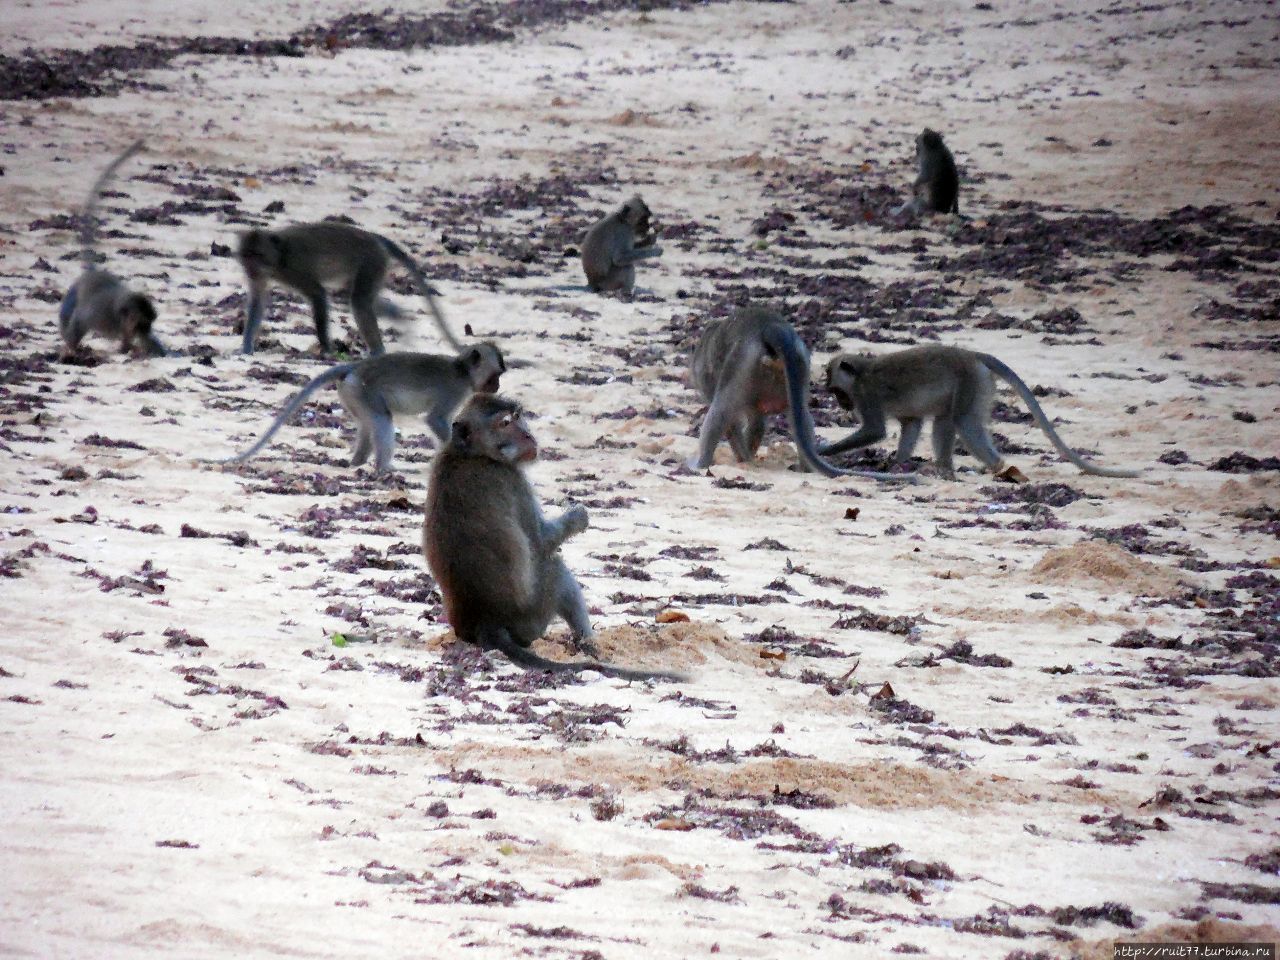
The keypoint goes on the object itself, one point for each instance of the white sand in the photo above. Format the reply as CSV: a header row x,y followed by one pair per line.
x,y
305,845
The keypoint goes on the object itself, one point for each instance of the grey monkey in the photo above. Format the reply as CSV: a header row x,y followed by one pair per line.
x,y
307,257
99,302
937,187
747,367
615,244
494,555
375,388
952,385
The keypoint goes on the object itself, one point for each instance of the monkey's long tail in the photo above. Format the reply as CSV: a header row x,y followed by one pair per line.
x,y
424,288
292,407
89,217
786,343
532,661
1006,374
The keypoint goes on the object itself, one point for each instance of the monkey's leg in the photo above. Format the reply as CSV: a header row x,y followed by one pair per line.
x,y
364,298
259,304
384,439
571,606
363,445
438,423
66,310
314,291
351,393
739,440
978,440
908,438
944,442
622,278
713,430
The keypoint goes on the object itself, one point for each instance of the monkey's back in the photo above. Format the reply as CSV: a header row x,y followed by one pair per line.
x,y
479,536
926,381
332,248
938,168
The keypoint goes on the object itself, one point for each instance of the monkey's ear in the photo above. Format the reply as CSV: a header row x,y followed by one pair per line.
x,y
461,436
626,209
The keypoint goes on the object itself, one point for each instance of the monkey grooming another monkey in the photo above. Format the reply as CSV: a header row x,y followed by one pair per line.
x,y
613,246
406,383
937,188
99,302
494,555
308,256
747,367
952,385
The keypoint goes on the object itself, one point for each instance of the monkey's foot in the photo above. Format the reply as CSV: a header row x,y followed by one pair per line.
x,y
586,646
1012,474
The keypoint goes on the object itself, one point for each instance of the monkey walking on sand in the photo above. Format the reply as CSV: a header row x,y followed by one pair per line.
x,y
747,367
375,388
953,386
99,302
615,244
494,555
307,257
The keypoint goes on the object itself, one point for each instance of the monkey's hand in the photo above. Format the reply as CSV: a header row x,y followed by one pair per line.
x,y
575,520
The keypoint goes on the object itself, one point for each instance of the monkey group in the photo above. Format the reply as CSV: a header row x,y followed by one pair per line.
x,y
493,553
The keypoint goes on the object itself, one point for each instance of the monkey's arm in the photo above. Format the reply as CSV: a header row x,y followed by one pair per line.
x,y
634,256
259,300
871,431
555,532
68,306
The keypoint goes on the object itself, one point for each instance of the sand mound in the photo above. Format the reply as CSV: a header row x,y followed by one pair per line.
x,y
668,646
1103,565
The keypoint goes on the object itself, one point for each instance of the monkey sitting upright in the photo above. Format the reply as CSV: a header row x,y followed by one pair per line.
x,y
747,367
613,246
99,302
494,555
937,188
375,388
308,256
952,385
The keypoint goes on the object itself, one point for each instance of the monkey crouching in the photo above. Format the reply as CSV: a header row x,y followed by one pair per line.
x,y
615,244
494,555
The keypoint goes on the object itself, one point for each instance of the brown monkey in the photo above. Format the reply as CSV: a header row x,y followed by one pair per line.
x,y
613,246
99,302
747,367
952,385
308,256
494,555
375,388
937,188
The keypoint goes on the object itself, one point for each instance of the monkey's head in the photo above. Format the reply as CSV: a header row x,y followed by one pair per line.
x,y
483,365
928,140
493,427
844,374
635,213
136,314
258,250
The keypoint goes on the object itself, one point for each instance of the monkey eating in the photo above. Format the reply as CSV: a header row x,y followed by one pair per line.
x,y
615,244
937,187
955,387
99,302
307,257
494,555
375,388
747,367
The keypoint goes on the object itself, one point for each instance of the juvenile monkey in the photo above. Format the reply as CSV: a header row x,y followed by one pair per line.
x,y
494,555
952,385
308,256
613,246
374,388
747,367
937,188
99,302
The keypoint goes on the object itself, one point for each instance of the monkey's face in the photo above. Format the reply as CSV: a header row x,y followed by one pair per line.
x,y
137,314
636,214
842,379
486,367
258,250
927,141
512,438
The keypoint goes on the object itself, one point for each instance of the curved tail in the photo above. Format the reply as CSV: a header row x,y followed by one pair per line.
x,y
782,339
89,217
424,288
292,407
1005,373
531,661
